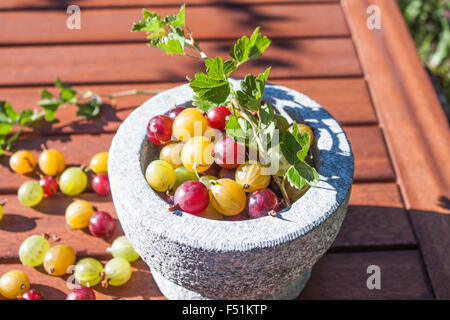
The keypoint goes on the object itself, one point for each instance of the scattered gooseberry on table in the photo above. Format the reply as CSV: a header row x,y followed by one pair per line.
x,y
81,293
252,176
88,272
32,294
122,248
101,224
117,272
281,123
159,130
78,214
160,175
13,284
261,203
99,163
100,184
197,154
58,259
227,153
30,193
192,197
217,117
49,184
51,162
227,196
73,181
22,161
33,250
189,123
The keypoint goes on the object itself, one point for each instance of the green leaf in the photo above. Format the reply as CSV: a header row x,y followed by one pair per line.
x,y
211,90
266,114
289,147
66,92
5,128
203,105
213,86
173,43
252,90
238,129
45,94
89,109
50,108
303,140
301,174
177,20
245,48
7,113
229,66
152,24
25,117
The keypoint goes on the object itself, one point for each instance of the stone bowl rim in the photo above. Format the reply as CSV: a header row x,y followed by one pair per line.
x,y
244,233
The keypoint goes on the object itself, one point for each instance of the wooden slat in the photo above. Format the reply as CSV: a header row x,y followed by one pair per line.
x,y
417,131
375,217
346,99
344,276
22,4
120,63
371,159
336,276
140,286
113,25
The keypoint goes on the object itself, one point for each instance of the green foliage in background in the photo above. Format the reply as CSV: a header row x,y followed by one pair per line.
x,y
428,21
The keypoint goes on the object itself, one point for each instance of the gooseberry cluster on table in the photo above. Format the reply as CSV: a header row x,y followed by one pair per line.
x,y
61,259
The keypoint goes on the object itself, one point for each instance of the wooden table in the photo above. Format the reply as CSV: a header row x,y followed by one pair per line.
x,y
371,80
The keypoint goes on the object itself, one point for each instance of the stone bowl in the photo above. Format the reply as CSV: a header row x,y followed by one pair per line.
x,y
196,258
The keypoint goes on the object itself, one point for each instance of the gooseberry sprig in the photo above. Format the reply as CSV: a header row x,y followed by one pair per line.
x,y
253,121
88,106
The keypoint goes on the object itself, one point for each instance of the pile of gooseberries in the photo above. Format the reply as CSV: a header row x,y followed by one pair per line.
x,y
205,172
61,259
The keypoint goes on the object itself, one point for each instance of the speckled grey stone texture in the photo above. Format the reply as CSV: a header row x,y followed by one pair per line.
x,y
266,258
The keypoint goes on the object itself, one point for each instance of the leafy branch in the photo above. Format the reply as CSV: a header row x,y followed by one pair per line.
x,y
212,88
88,106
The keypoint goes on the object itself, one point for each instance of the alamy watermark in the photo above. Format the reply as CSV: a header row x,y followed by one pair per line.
x,y
374,280
374,19
74,20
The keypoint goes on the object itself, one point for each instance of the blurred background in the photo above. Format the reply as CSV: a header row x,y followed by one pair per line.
x,y
428,22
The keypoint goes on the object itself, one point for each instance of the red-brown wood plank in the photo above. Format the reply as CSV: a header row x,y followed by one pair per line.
x,y
120,63
336,276
371,160
417,131
21,4
344,276
346,99
371,157
375,217
113,25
